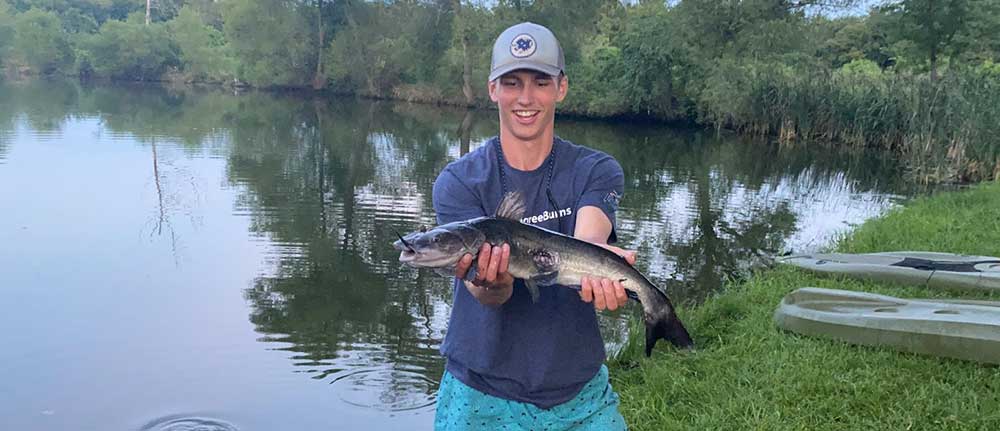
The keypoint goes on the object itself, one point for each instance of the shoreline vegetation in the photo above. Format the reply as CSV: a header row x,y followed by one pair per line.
x,y
918,78
748,374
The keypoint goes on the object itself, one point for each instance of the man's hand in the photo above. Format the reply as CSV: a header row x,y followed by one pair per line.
x,y
493,285
603,292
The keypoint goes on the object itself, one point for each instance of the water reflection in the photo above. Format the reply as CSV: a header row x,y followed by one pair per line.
x,y
321,185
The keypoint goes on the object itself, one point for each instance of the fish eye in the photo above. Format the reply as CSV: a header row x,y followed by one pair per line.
x,y
423,228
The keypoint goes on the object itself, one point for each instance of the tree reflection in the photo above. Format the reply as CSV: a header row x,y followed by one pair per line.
x,y
325,182
8,112
703,208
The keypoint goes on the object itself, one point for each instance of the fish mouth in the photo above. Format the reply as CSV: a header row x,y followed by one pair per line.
x,y
407,256
428,258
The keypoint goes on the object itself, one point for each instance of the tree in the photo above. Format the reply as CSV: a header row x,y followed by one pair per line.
x,y
132,50
6,30
931,25
319,78
855,38
203,49
269,41
980,40
463,34
41,42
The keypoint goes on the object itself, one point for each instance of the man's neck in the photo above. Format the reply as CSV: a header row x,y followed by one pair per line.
x,y
526,155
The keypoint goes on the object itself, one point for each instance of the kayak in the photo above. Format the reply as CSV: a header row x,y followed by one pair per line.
x,y
967,330
910,267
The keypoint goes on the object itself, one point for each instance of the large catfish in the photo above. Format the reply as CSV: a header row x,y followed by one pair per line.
x,y
541,258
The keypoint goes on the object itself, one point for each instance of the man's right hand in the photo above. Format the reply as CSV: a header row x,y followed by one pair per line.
x,y
493,285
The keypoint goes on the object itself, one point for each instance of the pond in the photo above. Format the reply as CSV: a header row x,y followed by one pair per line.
x,y
175,258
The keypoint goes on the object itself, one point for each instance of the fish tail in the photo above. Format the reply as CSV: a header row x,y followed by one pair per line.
x,y
665,325
671,330
660,318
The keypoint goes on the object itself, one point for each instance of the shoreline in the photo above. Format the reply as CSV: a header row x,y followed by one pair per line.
x,y
413,97
747,374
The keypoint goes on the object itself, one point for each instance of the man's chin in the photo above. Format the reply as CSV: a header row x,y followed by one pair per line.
x,y
527,134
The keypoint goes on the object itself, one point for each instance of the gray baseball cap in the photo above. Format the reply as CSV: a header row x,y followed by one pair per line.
x,y
527,46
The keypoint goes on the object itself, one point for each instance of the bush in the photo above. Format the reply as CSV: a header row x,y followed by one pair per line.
x,y
131,50
6,30
39,40
270,43
204,53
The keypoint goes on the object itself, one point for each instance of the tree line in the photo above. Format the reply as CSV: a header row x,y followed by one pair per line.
x,y
917,76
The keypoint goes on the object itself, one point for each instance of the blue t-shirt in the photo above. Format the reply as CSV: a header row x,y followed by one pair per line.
x,y
540,353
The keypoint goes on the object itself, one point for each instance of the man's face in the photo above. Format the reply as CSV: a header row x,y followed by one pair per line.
x,y
527,102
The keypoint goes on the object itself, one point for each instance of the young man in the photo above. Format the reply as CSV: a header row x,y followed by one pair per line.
x,y
513,363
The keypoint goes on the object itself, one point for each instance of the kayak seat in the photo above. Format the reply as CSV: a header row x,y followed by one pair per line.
x,y
938,265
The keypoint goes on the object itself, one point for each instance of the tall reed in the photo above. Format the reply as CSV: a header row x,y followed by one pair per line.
x,y
946,130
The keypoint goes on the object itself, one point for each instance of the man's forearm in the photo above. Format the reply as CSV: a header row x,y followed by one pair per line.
x,y
592,225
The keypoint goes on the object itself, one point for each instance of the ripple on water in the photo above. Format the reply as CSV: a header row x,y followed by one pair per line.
x,y
188,423
378,389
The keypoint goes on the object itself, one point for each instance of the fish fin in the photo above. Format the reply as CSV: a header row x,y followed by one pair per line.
x,y
632,295
545,261
532,289
445,272
471,273
511,206
546,279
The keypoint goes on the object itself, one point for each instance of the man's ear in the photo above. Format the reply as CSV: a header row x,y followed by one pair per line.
x,y
563,88
492,87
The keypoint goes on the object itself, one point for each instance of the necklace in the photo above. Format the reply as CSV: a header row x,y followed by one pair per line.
x,y
551,162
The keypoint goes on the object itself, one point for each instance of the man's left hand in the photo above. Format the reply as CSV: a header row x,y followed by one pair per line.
x,y
603,292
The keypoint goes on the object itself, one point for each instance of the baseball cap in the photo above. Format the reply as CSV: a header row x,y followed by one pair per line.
x,y
526,46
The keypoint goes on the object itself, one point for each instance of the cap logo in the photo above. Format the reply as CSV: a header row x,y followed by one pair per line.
x,y
522,46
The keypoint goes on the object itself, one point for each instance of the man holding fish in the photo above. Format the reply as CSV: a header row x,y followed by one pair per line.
x,y
523,351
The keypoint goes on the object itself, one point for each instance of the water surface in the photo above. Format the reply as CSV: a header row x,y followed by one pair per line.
x,y
184,258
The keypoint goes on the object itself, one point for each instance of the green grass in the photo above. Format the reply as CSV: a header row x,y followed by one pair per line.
x,y
746,374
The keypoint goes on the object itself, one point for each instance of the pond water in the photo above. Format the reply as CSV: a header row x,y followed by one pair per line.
x,y
196,259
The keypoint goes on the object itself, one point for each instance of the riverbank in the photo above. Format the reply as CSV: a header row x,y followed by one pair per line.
x,y
746,374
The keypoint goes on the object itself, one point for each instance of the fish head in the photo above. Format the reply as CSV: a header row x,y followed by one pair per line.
x,y
439,247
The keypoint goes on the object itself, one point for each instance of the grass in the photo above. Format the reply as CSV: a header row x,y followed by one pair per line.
x,y
746,374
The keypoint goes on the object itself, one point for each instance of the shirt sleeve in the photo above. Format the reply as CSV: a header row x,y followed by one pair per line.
x,y
453,200
604,190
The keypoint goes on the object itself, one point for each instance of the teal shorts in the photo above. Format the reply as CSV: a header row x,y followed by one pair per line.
x,y
460,407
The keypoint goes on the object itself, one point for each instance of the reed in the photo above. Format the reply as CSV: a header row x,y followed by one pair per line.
x,y
947,130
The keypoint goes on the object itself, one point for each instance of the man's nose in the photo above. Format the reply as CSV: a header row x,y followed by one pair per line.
x,y
527,95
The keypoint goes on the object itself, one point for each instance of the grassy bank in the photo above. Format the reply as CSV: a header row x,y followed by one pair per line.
x,y
747,374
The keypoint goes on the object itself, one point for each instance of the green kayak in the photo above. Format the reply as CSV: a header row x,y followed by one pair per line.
x,y
956,329
910,267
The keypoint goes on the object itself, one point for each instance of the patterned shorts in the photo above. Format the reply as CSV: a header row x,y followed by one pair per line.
x,y
461,408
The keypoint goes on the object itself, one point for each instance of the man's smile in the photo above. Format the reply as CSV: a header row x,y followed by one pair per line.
x,y
526,116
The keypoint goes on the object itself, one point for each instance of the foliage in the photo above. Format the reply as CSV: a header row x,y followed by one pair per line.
x,y
269,42
372,55
131,50
203,48
780,67
6,30
854,38
932,29
41,43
